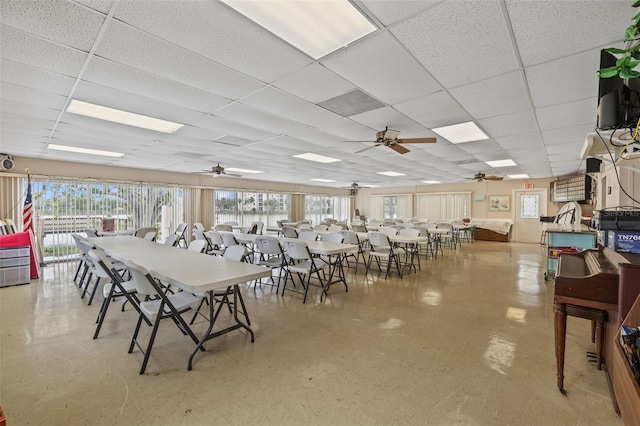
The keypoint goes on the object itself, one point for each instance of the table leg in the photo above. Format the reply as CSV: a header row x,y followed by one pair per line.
x,y
560,331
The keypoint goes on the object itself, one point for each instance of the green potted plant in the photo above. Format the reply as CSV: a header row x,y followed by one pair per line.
x,y
630,57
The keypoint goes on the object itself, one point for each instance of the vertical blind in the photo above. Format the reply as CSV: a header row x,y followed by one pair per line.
x,y
391,206
320,207
443,206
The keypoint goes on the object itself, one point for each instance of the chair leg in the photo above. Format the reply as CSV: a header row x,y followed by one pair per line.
x,y
147,353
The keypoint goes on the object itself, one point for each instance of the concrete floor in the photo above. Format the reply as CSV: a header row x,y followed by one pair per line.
x,y
468,340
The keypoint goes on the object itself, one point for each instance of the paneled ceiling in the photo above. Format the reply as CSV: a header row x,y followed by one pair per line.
x,y
524,71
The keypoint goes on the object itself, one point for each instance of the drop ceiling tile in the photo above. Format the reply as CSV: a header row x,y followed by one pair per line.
x,y
568,149
102,6
216,32
389,117
496,96
382,67
25,121
326,84
26,95
228,127
29,50
390,12
570,27
26,138
566,134
118,76
23,129
316,137
248,116
567,114
480,146
131,47
567,79
65,23
351,103
348,130
530,141
34,78
436,110
509,124
288,106
27,110
492,155
195,133
484,44
112,98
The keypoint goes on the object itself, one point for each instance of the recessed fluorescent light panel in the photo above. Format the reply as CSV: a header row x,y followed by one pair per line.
x,y
246,171
460,133
323,180
522,176
501,163
315,27
317,158
84,150
122,117
431,181
391,173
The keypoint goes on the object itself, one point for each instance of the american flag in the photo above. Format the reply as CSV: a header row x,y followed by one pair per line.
x,y
27,211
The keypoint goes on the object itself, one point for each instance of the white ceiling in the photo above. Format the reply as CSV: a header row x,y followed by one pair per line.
x,y
523,70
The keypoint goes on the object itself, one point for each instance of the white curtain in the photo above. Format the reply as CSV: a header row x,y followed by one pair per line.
x,y
405,206
377,207
12,196
443,206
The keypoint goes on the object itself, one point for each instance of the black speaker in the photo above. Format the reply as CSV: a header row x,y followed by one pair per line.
x,y
593,165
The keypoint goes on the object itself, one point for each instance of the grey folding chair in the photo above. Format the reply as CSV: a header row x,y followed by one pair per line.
x,y
382,249
304,266
271,255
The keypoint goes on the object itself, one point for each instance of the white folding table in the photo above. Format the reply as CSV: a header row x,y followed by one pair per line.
x,y
189,271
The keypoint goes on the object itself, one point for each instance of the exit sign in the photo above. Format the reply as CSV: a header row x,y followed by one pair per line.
x,y
528,185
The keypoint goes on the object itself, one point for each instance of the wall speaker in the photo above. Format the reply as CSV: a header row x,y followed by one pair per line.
x,y
6,162
593,165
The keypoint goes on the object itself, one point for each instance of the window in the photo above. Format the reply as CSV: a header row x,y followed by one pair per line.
x,y
247,207
390,207
62,208
529,207
320,207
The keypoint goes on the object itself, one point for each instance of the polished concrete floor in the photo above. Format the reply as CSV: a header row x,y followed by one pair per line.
x,y
468,340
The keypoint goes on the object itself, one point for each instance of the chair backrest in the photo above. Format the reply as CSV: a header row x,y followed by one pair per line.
x,y
91,233
229,239
180,229
359,228
198,226
279,223
388,230
104,270
350,237
342,225
430,225
388,223
199,246
231,223
141,232
10,227
172,240
199,234
320,227
334,228
308,234
422,231
259,228
253,229
304,226
378,239
443,225
333,238
409,232
269,245
151,236
330,220
141,278
224,227
290,232
236,253
216,238
373,224
298,250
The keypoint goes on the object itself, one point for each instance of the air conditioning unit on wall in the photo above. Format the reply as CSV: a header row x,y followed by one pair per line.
x,y
6,162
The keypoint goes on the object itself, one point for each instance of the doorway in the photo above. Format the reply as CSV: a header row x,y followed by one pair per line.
x,y
529,205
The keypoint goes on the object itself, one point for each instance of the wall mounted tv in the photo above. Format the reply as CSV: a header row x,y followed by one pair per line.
x,y
618,99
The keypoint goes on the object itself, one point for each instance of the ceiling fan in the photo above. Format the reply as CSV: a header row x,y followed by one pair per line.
x,y
389,138
482,177
218,170
354,187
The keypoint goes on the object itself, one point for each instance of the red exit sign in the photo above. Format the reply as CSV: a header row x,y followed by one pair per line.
x,y
528,185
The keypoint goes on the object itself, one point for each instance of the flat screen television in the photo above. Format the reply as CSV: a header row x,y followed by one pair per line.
x,y
618,99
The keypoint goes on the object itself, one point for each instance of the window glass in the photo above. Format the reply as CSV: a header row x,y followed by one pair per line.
x,y
247,207
529,206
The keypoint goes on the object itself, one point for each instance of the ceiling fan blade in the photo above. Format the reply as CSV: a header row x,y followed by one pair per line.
x,y
359,141
369,147
417,140
493,178
399,148
232,175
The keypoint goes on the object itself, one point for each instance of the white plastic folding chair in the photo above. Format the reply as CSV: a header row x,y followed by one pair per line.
x,y
308,235
271,255
199,246
289,232
217,242
157,306
115,289
172,240
151,236
381,248
304,266
411,249
351,237
388,230
334,228
223,227
180,231
320,227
